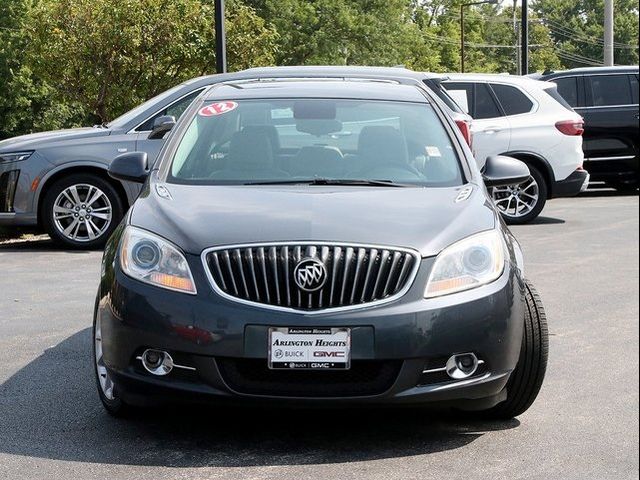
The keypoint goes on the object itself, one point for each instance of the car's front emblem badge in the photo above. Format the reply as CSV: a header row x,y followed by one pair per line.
x,y
310,274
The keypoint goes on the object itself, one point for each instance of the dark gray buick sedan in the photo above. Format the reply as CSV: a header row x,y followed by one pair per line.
x,y
319,241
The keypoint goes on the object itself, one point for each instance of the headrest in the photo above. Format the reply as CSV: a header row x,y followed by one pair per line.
x,y
269,130
250,149
382,145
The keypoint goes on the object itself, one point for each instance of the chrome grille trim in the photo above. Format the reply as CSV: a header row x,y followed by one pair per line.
x,y
260,274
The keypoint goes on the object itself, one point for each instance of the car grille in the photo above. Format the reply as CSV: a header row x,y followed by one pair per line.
x,y
354,275
364,378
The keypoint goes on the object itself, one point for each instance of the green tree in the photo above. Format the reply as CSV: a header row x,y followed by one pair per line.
x,y
19,93
12,13
490,37
577,30
27,103
355,32
500,30
103,56
441,24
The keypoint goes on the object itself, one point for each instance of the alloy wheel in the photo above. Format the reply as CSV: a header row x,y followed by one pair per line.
x,y
82,212
516,201
106,383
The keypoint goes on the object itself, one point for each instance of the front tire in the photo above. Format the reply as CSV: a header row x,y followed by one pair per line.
x,y
525,381
81,211
522,203
107,390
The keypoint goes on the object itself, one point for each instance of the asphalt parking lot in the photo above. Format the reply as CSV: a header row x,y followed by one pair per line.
x,y
582,255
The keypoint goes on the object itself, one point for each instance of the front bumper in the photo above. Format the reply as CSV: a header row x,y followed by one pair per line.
x,y
209,333
574,184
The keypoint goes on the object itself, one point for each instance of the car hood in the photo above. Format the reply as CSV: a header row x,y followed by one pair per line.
x,y
425,219
35,141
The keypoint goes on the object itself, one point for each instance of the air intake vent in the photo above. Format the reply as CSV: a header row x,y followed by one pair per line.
x,y
8,181
311,276
364,378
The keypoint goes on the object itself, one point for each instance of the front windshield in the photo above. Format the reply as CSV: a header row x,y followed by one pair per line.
x,y
285,141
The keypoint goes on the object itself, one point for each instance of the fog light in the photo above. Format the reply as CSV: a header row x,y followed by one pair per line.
x,y
462,365
157,362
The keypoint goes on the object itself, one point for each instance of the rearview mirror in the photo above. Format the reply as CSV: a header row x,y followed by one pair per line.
x,y
314,110
500,171
161,126
131,167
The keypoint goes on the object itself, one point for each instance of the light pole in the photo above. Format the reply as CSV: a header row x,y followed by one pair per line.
x,y
608,32
516,35
524,54
221,41
462,7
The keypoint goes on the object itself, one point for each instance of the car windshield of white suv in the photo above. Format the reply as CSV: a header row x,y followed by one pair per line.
x,y
316,141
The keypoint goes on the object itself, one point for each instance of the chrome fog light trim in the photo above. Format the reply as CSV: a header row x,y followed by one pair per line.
x,y
175,365
462,365
157,362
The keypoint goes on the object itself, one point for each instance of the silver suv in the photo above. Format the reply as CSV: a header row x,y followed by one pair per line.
x,y
58,180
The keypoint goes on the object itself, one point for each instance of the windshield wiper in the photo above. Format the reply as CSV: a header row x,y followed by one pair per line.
x,y
333,181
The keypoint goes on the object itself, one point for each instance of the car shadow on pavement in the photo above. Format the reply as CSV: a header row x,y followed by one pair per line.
x,y
50,409
545,221
39,244
607,192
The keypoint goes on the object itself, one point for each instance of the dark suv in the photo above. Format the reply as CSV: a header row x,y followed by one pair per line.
x,y
607,98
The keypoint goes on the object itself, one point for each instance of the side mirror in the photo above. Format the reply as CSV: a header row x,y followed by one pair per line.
x,y
500,171
132,167
161,126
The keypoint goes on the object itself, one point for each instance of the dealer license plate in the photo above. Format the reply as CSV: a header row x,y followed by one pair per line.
x,y
310,348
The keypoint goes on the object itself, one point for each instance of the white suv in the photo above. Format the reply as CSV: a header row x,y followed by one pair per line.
x,y
526,119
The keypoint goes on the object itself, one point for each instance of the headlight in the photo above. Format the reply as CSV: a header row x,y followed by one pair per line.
x,y
469,263
14,156
151,259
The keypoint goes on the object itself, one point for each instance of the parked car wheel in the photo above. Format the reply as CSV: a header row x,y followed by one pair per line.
x,y
106,387
81,211
522,203
525,381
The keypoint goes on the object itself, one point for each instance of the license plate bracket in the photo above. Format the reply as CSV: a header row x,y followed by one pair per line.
x,y
309,348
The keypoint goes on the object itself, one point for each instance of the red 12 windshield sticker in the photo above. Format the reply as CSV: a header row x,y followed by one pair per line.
x,y
217,109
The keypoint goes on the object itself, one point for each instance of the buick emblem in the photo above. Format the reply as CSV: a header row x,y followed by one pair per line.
x,y
310,274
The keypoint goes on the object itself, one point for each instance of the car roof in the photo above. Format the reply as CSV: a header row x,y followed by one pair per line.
x,y
316,88
398,73
203,80
586,70
524,82
333,70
